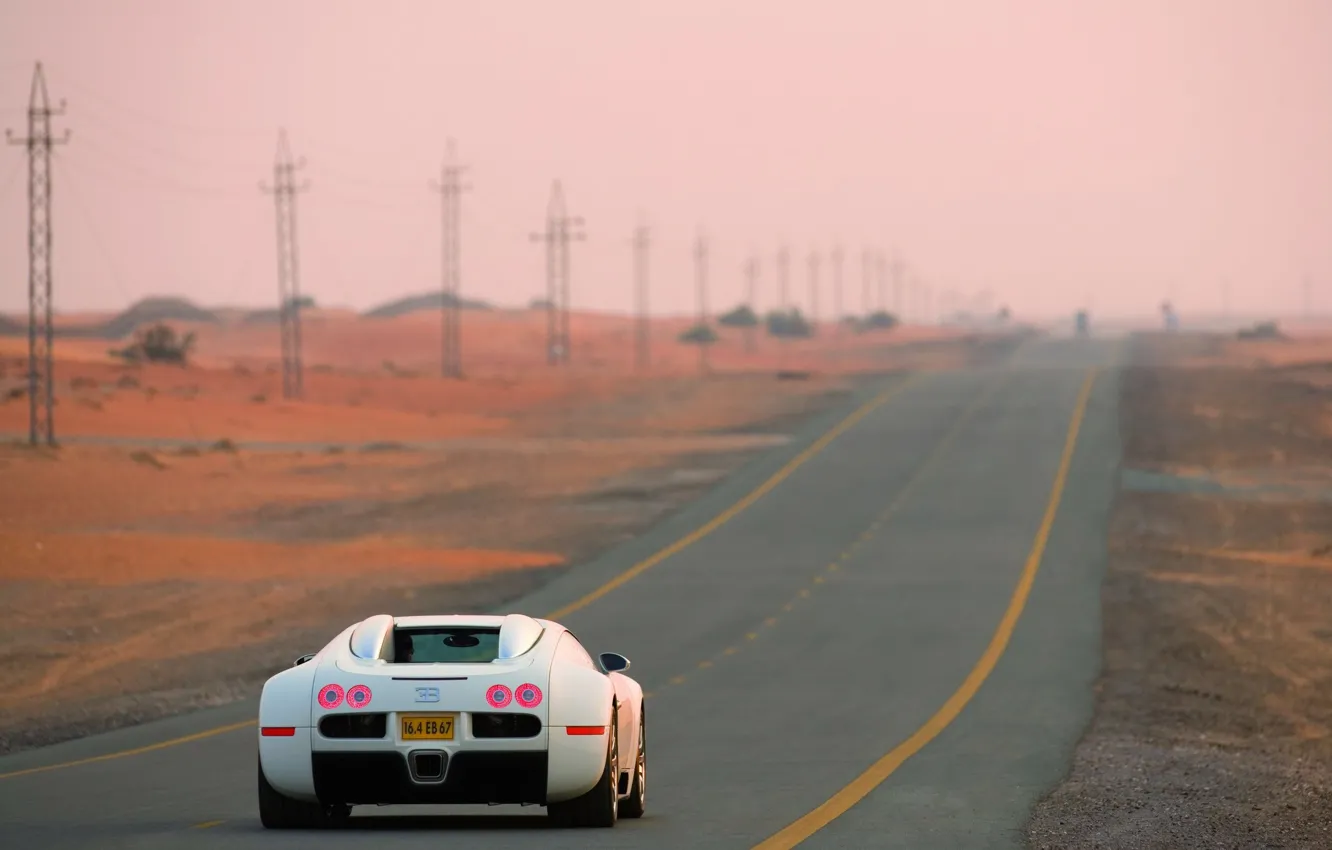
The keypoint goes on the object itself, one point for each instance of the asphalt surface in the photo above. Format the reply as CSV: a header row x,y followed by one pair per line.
x,y
775,677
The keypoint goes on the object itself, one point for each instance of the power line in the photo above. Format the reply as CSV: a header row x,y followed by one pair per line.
x,y
561,228
83,214
41,331
284,191
642,322
450,188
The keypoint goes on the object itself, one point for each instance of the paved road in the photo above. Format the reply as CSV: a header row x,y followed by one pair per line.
x,y
847,615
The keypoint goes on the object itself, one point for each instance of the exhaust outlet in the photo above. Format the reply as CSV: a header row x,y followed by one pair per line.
x,y
427,766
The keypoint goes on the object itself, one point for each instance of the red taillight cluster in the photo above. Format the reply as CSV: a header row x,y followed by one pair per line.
x,y
330,696
528,695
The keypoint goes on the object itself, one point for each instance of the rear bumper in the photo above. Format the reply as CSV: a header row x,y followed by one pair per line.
x,y
470,776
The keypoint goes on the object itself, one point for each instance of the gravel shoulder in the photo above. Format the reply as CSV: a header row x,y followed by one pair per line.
x,y
1214,705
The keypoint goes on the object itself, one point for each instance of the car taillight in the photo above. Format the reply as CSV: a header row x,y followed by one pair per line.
x,y
528,695
585,730
498,696
330,696
278,731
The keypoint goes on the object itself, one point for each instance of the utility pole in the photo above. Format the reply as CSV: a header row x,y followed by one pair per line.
x,y
866,275
550,237
41,331
642,324
561,229
701,279
881,267
450,188
284,191
751,299
897,286
783,278
814,260
837,287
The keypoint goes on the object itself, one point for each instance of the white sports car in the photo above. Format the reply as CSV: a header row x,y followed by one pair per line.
x,y
452,709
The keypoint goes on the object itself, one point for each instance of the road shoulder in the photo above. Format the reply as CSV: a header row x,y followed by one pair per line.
x,y
1212,718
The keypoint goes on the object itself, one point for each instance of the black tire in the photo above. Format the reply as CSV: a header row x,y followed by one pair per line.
x,y
598,808
278,811
635,804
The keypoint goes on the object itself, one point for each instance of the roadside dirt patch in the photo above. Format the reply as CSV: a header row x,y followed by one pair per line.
x,y
141,582
1213,724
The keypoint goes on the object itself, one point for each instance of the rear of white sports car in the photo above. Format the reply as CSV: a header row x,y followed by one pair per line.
x,y
436,710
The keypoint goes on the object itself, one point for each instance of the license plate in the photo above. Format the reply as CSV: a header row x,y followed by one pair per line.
x,y
427,727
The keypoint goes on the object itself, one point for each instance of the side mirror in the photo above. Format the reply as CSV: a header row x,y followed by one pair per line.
x,y
613,662
303,659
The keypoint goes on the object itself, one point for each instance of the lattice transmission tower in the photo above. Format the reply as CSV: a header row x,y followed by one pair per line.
x,y
899,305
41,331
642,320
701,284
866,281
561,229
751,299
837,260
284,191
815,262
450,188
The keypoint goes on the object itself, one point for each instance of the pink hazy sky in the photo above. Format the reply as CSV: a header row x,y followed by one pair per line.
x,y
1054,152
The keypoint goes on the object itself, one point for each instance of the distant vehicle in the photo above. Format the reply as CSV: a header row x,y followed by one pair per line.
x,y
452,709
1083,323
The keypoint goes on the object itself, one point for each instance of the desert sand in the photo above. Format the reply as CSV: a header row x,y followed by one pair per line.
x,y
191,512
375,379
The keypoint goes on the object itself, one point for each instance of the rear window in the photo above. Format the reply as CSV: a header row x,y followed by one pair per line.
x,y
451,645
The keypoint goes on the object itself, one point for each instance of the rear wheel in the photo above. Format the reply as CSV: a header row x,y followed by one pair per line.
x,y
598,807
278,811
635,804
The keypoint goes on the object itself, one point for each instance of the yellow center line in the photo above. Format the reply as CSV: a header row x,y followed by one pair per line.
x,y
939,451
637,569
862,785
739,507
208,824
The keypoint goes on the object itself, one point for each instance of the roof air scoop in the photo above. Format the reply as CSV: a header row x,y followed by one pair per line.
x,y
518,634
374,638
